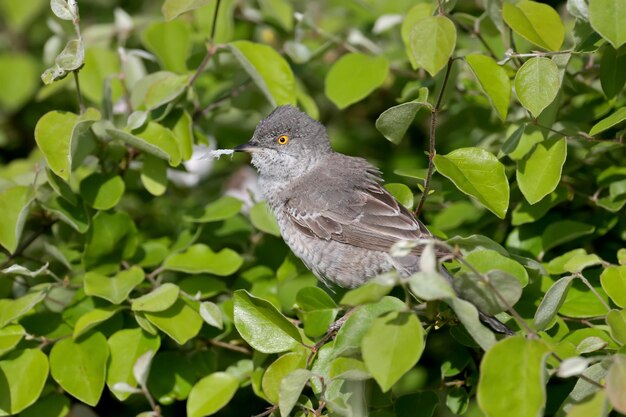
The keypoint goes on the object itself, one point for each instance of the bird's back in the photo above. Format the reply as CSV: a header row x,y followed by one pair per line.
x,y
345,224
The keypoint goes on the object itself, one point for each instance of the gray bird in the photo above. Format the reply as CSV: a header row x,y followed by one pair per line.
x,y
331,208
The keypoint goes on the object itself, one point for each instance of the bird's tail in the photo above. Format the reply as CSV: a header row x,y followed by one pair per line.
x,y
492,322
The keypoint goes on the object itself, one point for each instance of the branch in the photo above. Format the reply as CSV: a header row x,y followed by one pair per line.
x,y
432,151
217,103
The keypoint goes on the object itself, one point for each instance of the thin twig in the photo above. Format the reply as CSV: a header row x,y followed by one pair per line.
x,y
229,346
476,32
25,244
593,290
267,412
581,376
432,151
217,103
440,8
211,48
155,407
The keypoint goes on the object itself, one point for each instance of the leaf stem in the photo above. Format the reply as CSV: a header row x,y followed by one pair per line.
x,y
432,151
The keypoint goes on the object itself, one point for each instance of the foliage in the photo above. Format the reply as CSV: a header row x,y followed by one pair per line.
x,y
139,277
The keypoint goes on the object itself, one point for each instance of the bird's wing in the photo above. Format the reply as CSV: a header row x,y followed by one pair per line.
x,y
365,215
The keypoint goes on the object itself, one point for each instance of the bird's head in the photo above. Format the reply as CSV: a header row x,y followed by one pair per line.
x,y
287,143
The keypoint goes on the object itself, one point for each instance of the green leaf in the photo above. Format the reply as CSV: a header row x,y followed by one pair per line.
x,y
180,321
72,56
616,320
607,18
51,405
93,318
279,12
211,394
608,122
223,208
80,366
157,89
494,81
314,298
211,314
348,368
537,84
57,134
11,310
582,302
479,174
153,139
159,299
102,191
467,314
616,383
539,173
204,286
611,78
424,401
126,346
613,281
392,346
474,289
73,214
353,77
552,302
114,289
432,41
277,371
170,42
102,66
431,286
154,175
350,335
263,219
522,392
173,8
290,389
402,193
13,95
269,71
10,336
24,373
579,262
369,292
485,260
199,258
111,238
536,22
172,375
395,121
14,204
526,213
181,124
262,326
563,231
415,14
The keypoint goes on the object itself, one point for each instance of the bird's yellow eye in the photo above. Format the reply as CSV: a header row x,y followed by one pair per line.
x,y
282,139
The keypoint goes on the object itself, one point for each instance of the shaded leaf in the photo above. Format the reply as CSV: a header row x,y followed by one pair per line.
x,y
221,209
159,299
552,302
14,204
607,17
263,219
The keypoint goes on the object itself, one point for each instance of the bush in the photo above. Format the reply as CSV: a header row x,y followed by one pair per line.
x,y
142,277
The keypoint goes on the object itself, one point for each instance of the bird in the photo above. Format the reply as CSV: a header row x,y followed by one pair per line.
x,y
332,209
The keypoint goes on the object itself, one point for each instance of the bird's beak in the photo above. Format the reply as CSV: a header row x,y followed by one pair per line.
x,y
247,147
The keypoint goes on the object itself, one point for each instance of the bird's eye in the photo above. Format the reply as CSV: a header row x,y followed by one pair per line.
x,y
282,139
